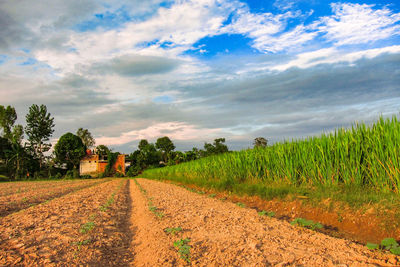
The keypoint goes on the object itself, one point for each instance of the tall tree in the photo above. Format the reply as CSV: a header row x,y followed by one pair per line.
x,y
260,142
142,144
39,129
17,153
70,150
165,145
8,116
86,137
102,150
17,134
217,147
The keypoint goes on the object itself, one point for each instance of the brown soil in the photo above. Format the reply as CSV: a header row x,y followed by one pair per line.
x,y
33,196
8,188
48,234
367,224
128,233
223,234
151,246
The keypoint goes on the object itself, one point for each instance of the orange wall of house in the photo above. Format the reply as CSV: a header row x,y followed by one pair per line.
x,y
119,162
102,167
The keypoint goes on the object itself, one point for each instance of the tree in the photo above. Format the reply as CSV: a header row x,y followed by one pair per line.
x,y
86,137
102,150
178,157
142,144
260,142
192,154
17,134
217,147
4,146
17,154
148,156
165,145
16,158
8,116
70,150
39,129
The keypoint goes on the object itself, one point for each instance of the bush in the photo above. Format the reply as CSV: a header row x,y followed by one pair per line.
x,y
3,178
119,174
72,174
133,171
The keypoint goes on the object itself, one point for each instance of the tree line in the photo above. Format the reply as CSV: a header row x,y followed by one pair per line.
x,y
29,158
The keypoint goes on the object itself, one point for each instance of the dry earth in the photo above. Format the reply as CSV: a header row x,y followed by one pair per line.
x,y
223,234
129,219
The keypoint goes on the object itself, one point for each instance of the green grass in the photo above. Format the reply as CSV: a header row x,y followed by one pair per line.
x,y
307,223
389,244
360,165
240,204
266,213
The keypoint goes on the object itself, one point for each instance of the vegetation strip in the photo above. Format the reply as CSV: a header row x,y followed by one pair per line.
x,y
152,208
361,157
182,244
90,225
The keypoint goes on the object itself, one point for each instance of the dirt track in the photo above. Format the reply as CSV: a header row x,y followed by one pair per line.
x,y
130,231
223,234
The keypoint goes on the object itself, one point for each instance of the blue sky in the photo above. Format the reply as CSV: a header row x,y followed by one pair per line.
x,y
199,70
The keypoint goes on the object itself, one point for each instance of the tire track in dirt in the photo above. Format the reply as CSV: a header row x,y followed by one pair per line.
x,y
223,234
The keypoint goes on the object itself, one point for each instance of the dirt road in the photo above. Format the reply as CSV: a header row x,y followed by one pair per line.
x,y
124,222
224,234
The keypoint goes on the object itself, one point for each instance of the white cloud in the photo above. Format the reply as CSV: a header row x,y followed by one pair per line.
x,y
284,4
332,56
291,40
180,26
175,130
358,24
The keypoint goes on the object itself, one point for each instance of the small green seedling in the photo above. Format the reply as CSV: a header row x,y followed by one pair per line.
x,y
109,202
307,223
389,244
266,213
159,214
92,216
183,248
152,208
240,204
87,227
212,195
82,243
173,231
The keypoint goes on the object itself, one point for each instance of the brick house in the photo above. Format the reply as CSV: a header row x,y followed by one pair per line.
x,y
94,165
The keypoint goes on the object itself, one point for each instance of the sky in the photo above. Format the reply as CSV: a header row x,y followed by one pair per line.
x,y
200,70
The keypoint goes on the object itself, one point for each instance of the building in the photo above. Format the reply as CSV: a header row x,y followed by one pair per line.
x,y
94,165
